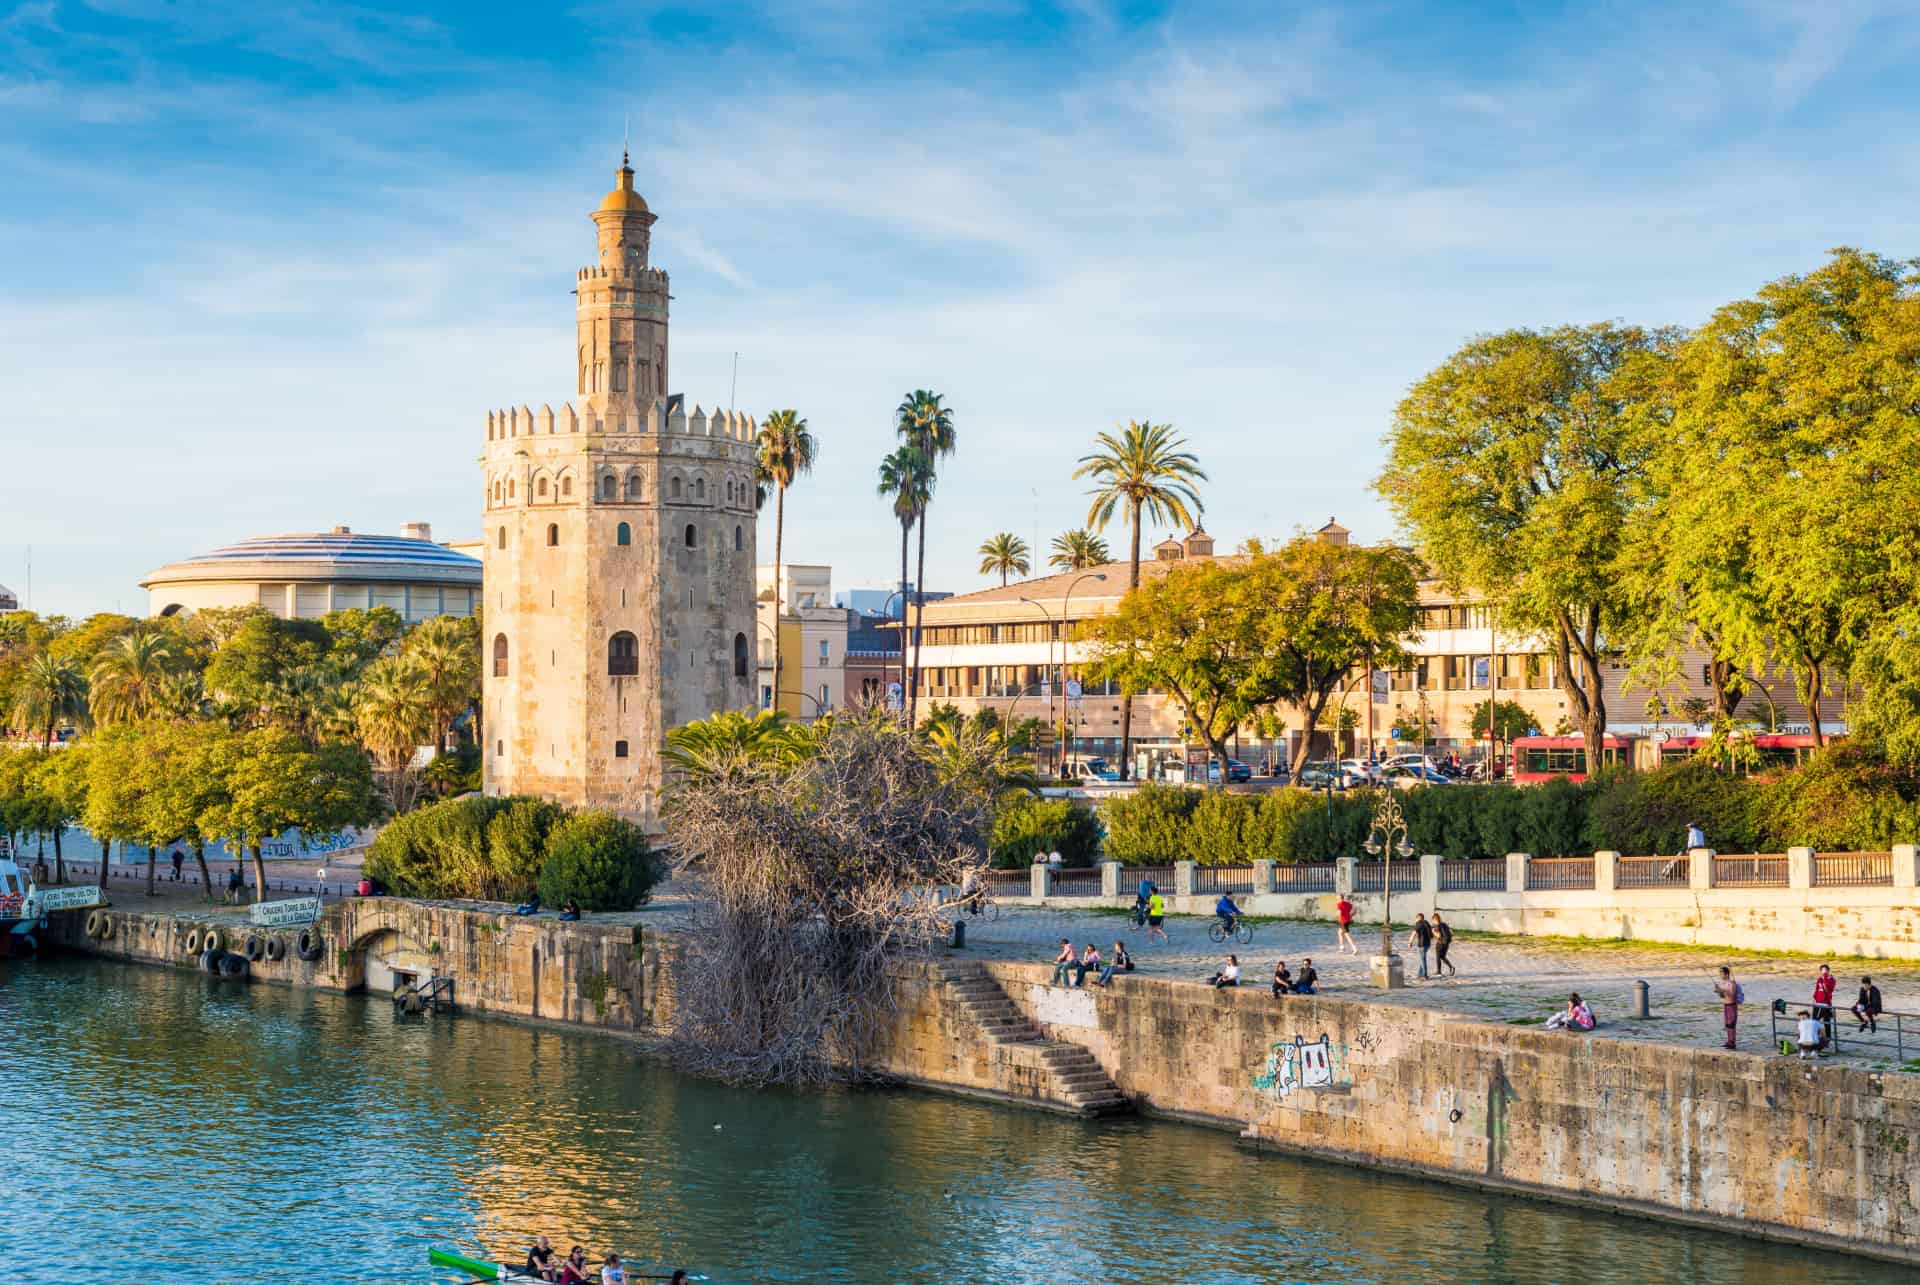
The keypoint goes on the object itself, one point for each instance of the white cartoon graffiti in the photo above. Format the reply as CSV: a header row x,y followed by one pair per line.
x,y
1294,1063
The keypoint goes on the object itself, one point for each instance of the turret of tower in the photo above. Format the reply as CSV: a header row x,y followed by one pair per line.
x,y
659,417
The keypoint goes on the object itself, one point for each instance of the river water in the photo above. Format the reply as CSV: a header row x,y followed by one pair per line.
x,y
164,1126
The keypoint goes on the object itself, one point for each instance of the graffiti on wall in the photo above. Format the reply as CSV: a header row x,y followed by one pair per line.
x,y
1296,1063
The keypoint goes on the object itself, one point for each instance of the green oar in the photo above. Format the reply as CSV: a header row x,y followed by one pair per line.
x,y
481,1270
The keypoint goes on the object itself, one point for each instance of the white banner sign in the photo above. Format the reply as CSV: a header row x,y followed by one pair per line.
x,y
1378,682
68,898
284,914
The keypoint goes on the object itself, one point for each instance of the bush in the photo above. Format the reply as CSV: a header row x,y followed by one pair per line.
x,y
1217,830
1844,801
600,861
1647,812
1149,826
517,845
440,850
1027,826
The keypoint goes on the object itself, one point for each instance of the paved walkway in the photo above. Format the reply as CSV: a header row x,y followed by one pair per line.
x,y
1518,980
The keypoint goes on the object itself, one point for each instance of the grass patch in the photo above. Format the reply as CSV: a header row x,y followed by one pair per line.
x,y
1623,944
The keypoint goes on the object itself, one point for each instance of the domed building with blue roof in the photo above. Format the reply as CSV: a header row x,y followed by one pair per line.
x,y
306,576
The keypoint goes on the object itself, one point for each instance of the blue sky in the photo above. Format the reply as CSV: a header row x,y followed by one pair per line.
x,y
264,266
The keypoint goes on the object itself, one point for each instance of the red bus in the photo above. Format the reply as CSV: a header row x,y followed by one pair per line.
x,y
1541,758
1776,749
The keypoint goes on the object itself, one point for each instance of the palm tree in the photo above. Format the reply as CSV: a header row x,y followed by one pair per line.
x,y
50,690
925,424
1006,554
785,450
393,714
132,674
1145,469
1077,550
446,651
906,477
736,742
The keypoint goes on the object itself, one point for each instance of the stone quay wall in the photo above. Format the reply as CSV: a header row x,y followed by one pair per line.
x,y
1776,1147
1694,904
584,973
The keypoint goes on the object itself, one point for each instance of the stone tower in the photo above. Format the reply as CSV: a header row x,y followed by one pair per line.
x,y
619,553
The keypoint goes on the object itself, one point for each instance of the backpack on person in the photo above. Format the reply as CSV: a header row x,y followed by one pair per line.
x,y
1739,993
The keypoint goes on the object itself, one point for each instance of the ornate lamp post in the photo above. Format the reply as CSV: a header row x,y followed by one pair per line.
x,y
1388,832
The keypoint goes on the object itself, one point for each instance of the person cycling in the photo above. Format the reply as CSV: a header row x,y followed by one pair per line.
x,y
1142,898
1229,912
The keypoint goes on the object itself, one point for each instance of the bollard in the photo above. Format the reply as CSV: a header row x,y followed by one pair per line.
x,y
959,934
1640,1008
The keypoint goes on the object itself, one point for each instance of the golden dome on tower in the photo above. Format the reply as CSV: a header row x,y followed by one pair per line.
x,y
623,198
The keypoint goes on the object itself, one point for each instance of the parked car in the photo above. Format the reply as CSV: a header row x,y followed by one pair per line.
x,y
1362,768
1236,771
1406,774
1092,770
1321,773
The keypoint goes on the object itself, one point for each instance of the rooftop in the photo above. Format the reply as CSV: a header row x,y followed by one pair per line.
x,y
339,554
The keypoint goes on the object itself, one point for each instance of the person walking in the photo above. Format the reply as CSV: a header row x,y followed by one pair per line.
x,y
1823,987
235,883
177,857
1731,997
1442,939
1866,1006
1344,910
1156,917
1421,939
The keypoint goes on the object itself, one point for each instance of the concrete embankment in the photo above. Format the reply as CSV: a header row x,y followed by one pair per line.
x,y
1767,1146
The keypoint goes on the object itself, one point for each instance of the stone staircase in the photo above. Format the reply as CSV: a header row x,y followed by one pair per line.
x,y
1062,1075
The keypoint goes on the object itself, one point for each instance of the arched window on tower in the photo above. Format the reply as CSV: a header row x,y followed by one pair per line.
x,y
623,655
509,488
633,486
739,655
691,538
699,488
623,535
676,488
503,538
566,487
607,485
553,535
729,490
739,540
499,655
540,488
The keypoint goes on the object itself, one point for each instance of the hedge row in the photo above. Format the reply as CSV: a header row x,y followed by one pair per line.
x,y
506,849
1842,802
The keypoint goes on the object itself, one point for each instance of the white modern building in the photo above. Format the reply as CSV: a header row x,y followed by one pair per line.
x,y
305,576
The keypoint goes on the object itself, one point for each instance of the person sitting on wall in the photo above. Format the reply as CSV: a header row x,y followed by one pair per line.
x,y
1866,1008
1121,962
1089,963
1308,979
1228,911
1577,1017
569,911
1282,979
529,907
1227,976
1062,962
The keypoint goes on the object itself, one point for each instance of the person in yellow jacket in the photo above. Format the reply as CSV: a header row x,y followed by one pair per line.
x,y
1156,917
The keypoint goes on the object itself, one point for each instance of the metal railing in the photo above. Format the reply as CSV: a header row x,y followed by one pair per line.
x,y
1769,871
1223,879
1560,874
1852,869
1076,883
1651,872
1369,876
1308,878
1130,877
1887,1037
1017,883
1481,874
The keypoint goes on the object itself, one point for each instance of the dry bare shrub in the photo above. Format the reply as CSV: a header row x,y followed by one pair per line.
x,y
811,879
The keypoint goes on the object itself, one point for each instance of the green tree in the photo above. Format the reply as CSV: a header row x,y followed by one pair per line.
x,y
735,742
1005,554
1144,471
1516,468
357,636
60,779
118,778
926,424
130,673
445,652
393,716
600,862
276,782
784,451
906,478
1077,550
1508,719
47,691
254,671
185,785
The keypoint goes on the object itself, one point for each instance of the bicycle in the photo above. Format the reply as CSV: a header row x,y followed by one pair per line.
x,y
1240,931
1137,917
980,907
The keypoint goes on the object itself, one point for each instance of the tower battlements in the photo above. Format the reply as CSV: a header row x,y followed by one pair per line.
x,y
651,277
656,417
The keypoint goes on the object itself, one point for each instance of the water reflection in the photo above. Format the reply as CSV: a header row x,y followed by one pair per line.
x,y
168,1126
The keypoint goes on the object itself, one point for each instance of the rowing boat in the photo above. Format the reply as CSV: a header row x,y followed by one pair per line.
x,y
479,1269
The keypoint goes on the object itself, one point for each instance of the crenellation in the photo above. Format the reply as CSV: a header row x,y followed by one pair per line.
x,y
546,418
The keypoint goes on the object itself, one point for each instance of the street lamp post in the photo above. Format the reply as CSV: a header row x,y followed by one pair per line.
x,y
1049,615
901,594
1066,603
1388,832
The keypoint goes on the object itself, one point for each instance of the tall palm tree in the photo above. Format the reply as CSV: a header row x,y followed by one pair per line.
x,y
51,690
1006,554
446,651
131,675
784,450
906,478
393,715
1144,469
1077,550
927,425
